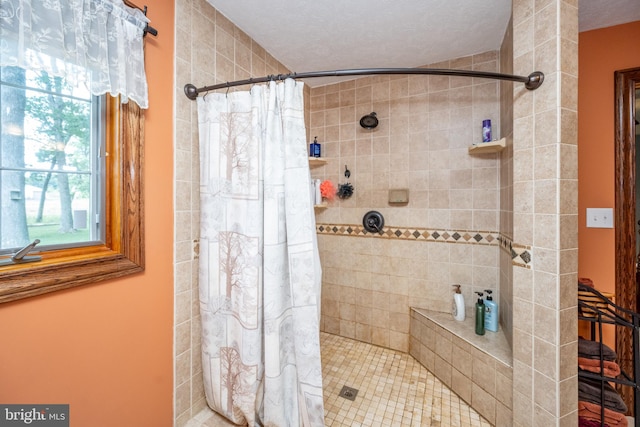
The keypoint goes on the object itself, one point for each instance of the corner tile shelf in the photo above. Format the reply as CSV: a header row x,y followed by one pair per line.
x,y
488,147
315,162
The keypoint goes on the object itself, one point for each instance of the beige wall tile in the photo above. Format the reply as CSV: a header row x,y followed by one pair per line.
x,y
569,420
484,374
545,19
183,337
380,336
484,403
399,322
569,231
567,284
182,307
522,410
183,367
331,325
427,358
545,360
443,347
442,370
399,341
522,347
182,399
363,332
523,383
546,289
569,391
504,415
543,417
462,362
504,389
461,385
545,394
568,326
347,311
569,18
347,329
545,323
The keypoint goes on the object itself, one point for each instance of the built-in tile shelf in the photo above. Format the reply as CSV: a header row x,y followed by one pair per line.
x,y
488,147
315,162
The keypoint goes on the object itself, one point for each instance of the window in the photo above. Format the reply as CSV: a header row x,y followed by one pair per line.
x,y
70,176
51,160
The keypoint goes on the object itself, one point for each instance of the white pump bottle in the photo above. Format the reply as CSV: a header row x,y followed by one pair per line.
x,y
458,305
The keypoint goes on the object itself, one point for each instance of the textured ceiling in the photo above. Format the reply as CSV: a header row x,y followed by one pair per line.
x,y
606,13
317,35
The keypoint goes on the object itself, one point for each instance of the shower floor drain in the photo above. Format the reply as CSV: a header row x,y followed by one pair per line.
x,y
348,393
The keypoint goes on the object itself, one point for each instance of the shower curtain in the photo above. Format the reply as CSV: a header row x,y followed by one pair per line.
x,y
259,265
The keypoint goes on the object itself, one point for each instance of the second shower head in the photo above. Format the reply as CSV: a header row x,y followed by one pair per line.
x,y
369,121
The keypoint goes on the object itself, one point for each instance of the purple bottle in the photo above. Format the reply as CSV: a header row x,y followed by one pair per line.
x,y
486,130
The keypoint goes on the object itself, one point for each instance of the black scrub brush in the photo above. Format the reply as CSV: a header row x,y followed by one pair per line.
x,y
345,190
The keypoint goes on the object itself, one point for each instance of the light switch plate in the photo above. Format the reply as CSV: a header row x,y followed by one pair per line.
x,y
600,217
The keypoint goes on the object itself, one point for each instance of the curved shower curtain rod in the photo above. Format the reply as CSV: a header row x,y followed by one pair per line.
x,y
531,82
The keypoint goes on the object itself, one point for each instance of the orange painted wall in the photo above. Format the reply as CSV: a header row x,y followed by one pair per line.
x,y
107,349
601,52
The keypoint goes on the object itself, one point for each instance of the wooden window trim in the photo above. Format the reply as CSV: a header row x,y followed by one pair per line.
x,y
123,251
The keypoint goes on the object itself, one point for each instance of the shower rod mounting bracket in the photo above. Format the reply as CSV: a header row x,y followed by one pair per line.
x,y
191,91
531,82
535,80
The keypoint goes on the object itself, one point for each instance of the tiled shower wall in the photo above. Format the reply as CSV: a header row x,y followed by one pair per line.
x,y
426,125
506,185
545,38
209,49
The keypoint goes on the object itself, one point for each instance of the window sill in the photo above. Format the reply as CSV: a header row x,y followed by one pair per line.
x,y
55,273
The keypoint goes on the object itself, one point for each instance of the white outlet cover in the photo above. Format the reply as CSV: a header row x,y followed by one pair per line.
x,y
600,217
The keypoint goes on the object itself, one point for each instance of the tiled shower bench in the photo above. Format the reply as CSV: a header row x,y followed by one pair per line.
x,y
477,368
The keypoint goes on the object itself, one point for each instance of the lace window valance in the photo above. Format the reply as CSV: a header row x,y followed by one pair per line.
x,y
66,38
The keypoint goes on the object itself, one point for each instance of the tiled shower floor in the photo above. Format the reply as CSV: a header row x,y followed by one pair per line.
x,y
393,390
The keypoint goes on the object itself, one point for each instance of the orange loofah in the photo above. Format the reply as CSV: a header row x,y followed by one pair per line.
x,y
327,190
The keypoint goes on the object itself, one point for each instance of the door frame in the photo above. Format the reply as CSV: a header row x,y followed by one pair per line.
x,y
625,178
626,293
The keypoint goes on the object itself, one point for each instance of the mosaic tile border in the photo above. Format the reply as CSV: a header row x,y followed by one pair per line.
x,y
431,235
521,255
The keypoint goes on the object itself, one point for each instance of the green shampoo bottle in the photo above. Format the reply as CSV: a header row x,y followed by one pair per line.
x,y
480,315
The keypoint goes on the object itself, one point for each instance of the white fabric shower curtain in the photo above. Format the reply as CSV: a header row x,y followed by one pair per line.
x,y
259,264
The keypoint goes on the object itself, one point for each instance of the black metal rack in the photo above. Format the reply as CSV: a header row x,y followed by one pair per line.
x,y
598,310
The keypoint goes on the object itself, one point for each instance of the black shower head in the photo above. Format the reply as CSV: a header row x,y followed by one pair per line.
x,y
369,121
